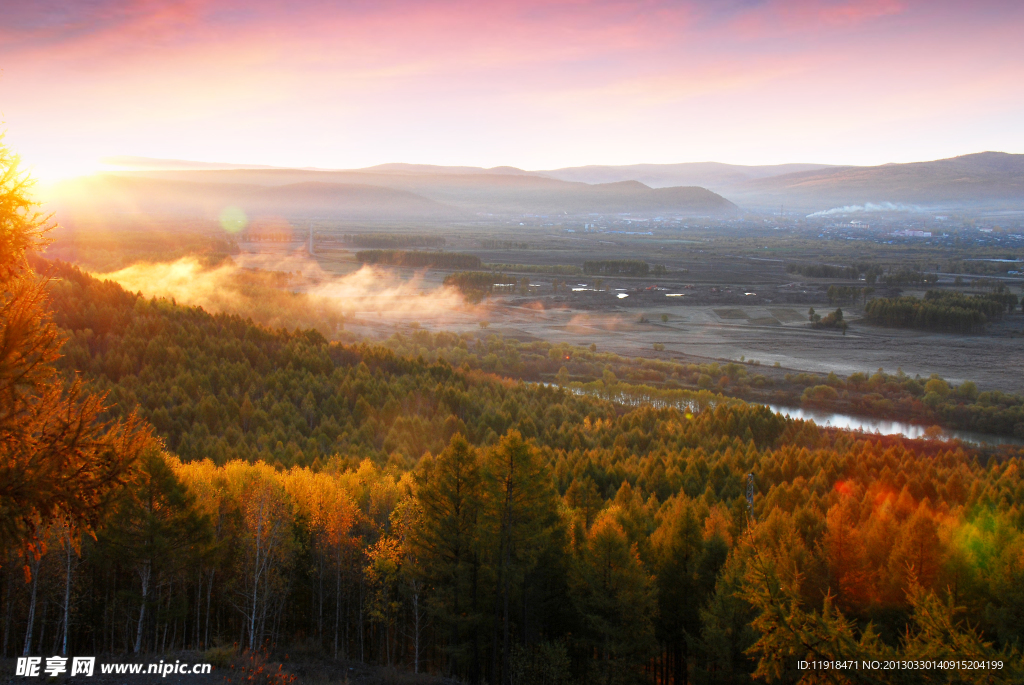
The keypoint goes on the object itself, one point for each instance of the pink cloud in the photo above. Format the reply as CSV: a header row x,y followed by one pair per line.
x,y
134,76
809,17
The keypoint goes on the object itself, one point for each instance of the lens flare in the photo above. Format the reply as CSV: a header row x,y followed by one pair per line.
x,y
233,219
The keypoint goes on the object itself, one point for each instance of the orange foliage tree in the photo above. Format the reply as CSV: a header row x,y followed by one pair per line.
x,y
58,459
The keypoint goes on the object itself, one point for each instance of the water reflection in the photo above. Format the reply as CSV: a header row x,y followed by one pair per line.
x,y
883,427
821,418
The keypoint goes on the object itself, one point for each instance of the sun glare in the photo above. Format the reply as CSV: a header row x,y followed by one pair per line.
x,y
62,169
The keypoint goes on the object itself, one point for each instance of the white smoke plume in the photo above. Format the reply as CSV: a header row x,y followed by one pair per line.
x,y
867,208
292,291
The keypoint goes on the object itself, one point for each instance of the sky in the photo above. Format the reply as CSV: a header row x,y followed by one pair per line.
x,y
537,85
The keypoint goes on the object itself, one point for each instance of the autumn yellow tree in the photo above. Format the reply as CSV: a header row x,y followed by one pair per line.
x,y
57,458
212,500
395,582
615,595
686,565
328,515
844,550
267,543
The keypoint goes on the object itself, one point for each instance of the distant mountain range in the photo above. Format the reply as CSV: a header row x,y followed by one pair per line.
x,y
394,192
982,181
712,175
207,198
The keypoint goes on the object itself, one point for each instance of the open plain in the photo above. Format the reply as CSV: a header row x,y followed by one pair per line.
x,y
714,304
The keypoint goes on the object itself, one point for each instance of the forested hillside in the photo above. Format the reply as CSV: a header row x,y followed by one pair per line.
x,y
222,388
264,297
404,509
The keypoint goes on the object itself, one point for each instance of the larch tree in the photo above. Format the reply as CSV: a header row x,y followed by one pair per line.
x,y
615,595
58,459
788,630
915,558
154,525
450,490
519,508
678,557
583,496
844,550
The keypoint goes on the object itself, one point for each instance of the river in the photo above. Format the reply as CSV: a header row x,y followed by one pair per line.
x,y
883,427
824,418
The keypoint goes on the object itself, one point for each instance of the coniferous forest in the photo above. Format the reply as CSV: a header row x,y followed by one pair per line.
x,y
176,480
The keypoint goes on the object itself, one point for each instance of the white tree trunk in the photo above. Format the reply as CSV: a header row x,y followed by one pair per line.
x,y
31,610
68,569
144,574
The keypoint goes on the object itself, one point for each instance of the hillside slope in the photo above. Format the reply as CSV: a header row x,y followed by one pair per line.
x,y
844,531
985,179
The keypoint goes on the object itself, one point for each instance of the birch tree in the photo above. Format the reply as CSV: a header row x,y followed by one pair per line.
x,y
267,544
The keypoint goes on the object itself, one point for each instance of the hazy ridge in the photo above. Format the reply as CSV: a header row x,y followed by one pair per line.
x,y
712,175
374,195
981,181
